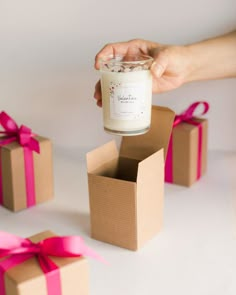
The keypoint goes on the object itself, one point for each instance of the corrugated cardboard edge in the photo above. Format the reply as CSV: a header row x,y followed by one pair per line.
x,y
142,146
205,125
12,185
188,159
118,205
43,175
150,197
101,155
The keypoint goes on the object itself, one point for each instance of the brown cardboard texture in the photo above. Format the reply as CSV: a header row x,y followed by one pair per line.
x,y
13,174
126,189
185,152
28,278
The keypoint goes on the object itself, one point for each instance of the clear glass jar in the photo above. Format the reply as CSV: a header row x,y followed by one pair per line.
x,y
126,85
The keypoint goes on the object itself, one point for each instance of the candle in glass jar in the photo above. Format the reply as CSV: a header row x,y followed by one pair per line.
x,y
126,94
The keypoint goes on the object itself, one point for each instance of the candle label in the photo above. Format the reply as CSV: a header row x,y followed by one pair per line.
x,y
127,100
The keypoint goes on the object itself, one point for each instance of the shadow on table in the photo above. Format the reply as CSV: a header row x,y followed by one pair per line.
x,y
75,220
84,222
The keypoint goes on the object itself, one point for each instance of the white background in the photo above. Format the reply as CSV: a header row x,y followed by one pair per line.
x,y
47,51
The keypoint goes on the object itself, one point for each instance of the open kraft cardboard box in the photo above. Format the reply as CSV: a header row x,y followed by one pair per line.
x,y
126,188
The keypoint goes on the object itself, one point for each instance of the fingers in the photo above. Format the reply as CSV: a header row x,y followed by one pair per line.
x,y
136,46
109,49
106,50
98,93
121,48
160,63
157,69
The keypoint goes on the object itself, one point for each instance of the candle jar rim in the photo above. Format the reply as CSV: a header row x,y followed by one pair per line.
x,y
125,63
126,58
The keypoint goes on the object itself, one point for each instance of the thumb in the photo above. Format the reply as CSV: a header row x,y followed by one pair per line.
x,y
159,64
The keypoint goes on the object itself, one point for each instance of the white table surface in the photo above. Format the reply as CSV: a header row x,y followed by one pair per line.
x,y
195,254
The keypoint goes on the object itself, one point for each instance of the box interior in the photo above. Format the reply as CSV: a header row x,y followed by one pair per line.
x,y
120,168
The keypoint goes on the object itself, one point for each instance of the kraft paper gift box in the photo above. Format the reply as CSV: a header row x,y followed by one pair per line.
x,y
126,188
187,153
26,169
25,276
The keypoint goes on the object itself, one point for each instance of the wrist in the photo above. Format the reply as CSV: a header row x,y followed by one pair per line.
x,y
194,60
213,58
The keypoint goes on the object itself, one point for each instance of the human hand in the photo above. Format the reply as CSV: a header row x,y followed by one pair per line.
x,y
170,67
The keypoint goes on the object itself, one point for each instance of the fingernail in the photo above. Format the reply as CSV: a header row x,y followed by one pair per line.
x,y
99,103
95,95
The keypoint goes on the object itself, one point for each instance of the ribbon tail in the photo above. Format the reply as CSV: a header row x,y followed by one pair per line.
x,y
89,252
10,241
199,160
1,187
34,145
169,162
7,122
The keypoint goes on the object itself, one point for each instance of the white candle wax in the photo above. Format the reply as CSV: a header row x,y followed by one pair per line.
x,y
127,100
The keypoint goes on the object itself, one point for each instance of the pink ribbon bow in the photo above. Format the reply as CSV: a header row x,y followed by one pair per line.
x,y
24,136
188,117
16,250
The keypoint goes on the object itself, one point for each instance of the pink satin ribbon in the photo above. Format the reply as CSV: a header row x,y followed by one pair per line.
x,y
16,250
24,137
1,192
188,117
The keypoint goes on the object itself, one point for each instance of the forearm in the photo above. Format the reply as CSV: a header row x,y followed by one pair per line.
x,y
213,58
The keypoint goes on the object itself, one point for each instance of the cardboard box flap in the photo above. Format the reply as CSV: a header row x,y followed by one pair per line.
x,y
150,197
101,155
141,146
